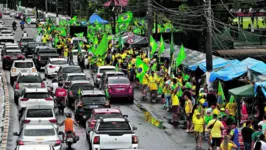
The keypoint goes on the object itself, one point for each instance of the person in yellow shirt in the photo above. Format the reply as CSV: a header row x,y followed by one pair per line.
x,y
215,126
227,144
152,82
188,110
215,110
145,82
146,60
167,94
175,108
199,128
231,109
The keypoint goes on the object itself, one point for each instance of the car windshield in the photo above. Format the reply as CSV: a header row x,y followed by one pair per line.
x,y
39,132
76,52
24,64
79,77
82,86
27,40
72,70
47,51
118,81
29,79
37,113
12,53
93,98
36,95
112,115
114,126
7,41
106,70
58,62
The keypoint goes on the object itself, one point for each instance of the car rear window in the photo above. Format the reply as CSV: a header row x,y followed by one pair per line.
x,y
58,62
7,41
112,115
39,113
6,32
34,45
24,64
82,86
114,126
78,77
39,132
47,51
106,70
27,40
118,81
93,98
12,53
29,79
115,75
72,70
36,95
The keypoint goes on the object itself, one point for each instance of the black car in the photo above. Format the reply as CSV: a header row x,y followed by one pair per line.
x,y
24,41
87,101
9,56
42,54
73,89
30,47
64,70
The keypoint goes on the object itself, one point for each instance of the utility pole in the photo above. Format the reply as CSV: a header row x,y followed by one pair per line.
x,y
57,18
150,20
208,46
46,7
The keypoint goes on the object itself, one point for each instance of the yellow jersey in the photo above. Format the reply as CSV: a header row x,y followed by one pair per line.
x,y
198,124
175,100
188,106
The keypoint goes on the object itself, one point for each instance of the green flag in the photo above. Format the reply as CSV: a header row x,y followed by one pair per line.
x,y
162,46
81,34
62,31
125,17
103,46
62,22
232,99
56,40
181,56
142,69
153,45
73,20
28,20
120,42
220,91
79,92
185,76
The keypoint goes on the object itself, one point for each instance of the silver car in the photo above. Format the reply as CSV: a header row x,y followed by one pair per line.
x,y
39,115
34,147
39,134
26,79
74,77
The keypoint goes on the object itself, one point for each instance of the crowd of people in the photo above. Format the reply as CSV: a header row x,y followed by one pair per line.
x,y
183,93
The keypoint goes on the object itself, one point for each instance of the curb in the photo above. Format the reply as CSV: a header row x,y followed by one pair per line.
x,y
7,112
149,116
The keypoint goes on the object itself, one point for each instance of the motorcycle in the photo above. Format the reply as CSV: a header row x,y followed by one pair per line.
x,y
61,104
22,27
14,28
153,96
70,139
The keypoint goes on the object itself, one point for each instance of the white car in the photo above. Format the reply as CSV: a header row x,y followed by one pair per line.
x,y
33,20
19,66
53,66
34,147
74,77
100,71
76,40
7,33
39,115
13,13
113,130
39,134
35,96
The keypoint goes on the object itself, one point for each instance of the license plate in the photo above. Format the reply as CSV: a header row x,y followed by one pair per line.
x,y
24,71
120,89
13,57
94,106
39,139
69,140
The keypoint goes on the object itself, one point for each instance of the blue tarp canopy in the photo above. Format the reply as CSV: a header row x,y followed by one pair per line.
x,y
263,87
236,70
217,63
94,18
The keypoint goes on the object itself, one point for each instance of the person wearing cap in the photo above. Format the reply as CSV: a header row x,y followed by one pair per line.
x,y
199,128
234,134
215,126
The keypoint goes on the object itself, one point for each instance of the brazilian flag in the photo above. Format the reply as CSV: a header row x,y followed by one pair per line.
x,y
168,27
62,23
62,31
140,23
125,17
142,69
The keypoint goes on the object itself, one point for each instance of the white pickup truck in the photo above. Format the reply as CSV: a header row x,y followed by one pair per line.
x,y
113,133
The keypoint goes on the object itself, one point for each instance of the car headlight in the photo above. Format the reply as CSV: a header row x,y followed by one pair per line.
x,y
14,70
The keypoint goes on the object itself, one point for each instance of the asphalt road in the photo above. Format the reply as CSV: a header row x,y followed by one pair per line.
x,y
150,137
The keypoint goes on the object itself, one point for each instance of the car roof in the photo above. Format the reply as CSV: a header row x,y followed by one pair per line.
x,y
114,72
42,47
55,59
40,107
34,42
76,74
25,60
6,31
92,92
14,50
29,73
34,147
71,66
104,110
80,81
35,90
119,77
11,44
28,126
107,67
45,48
114,119
27,38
